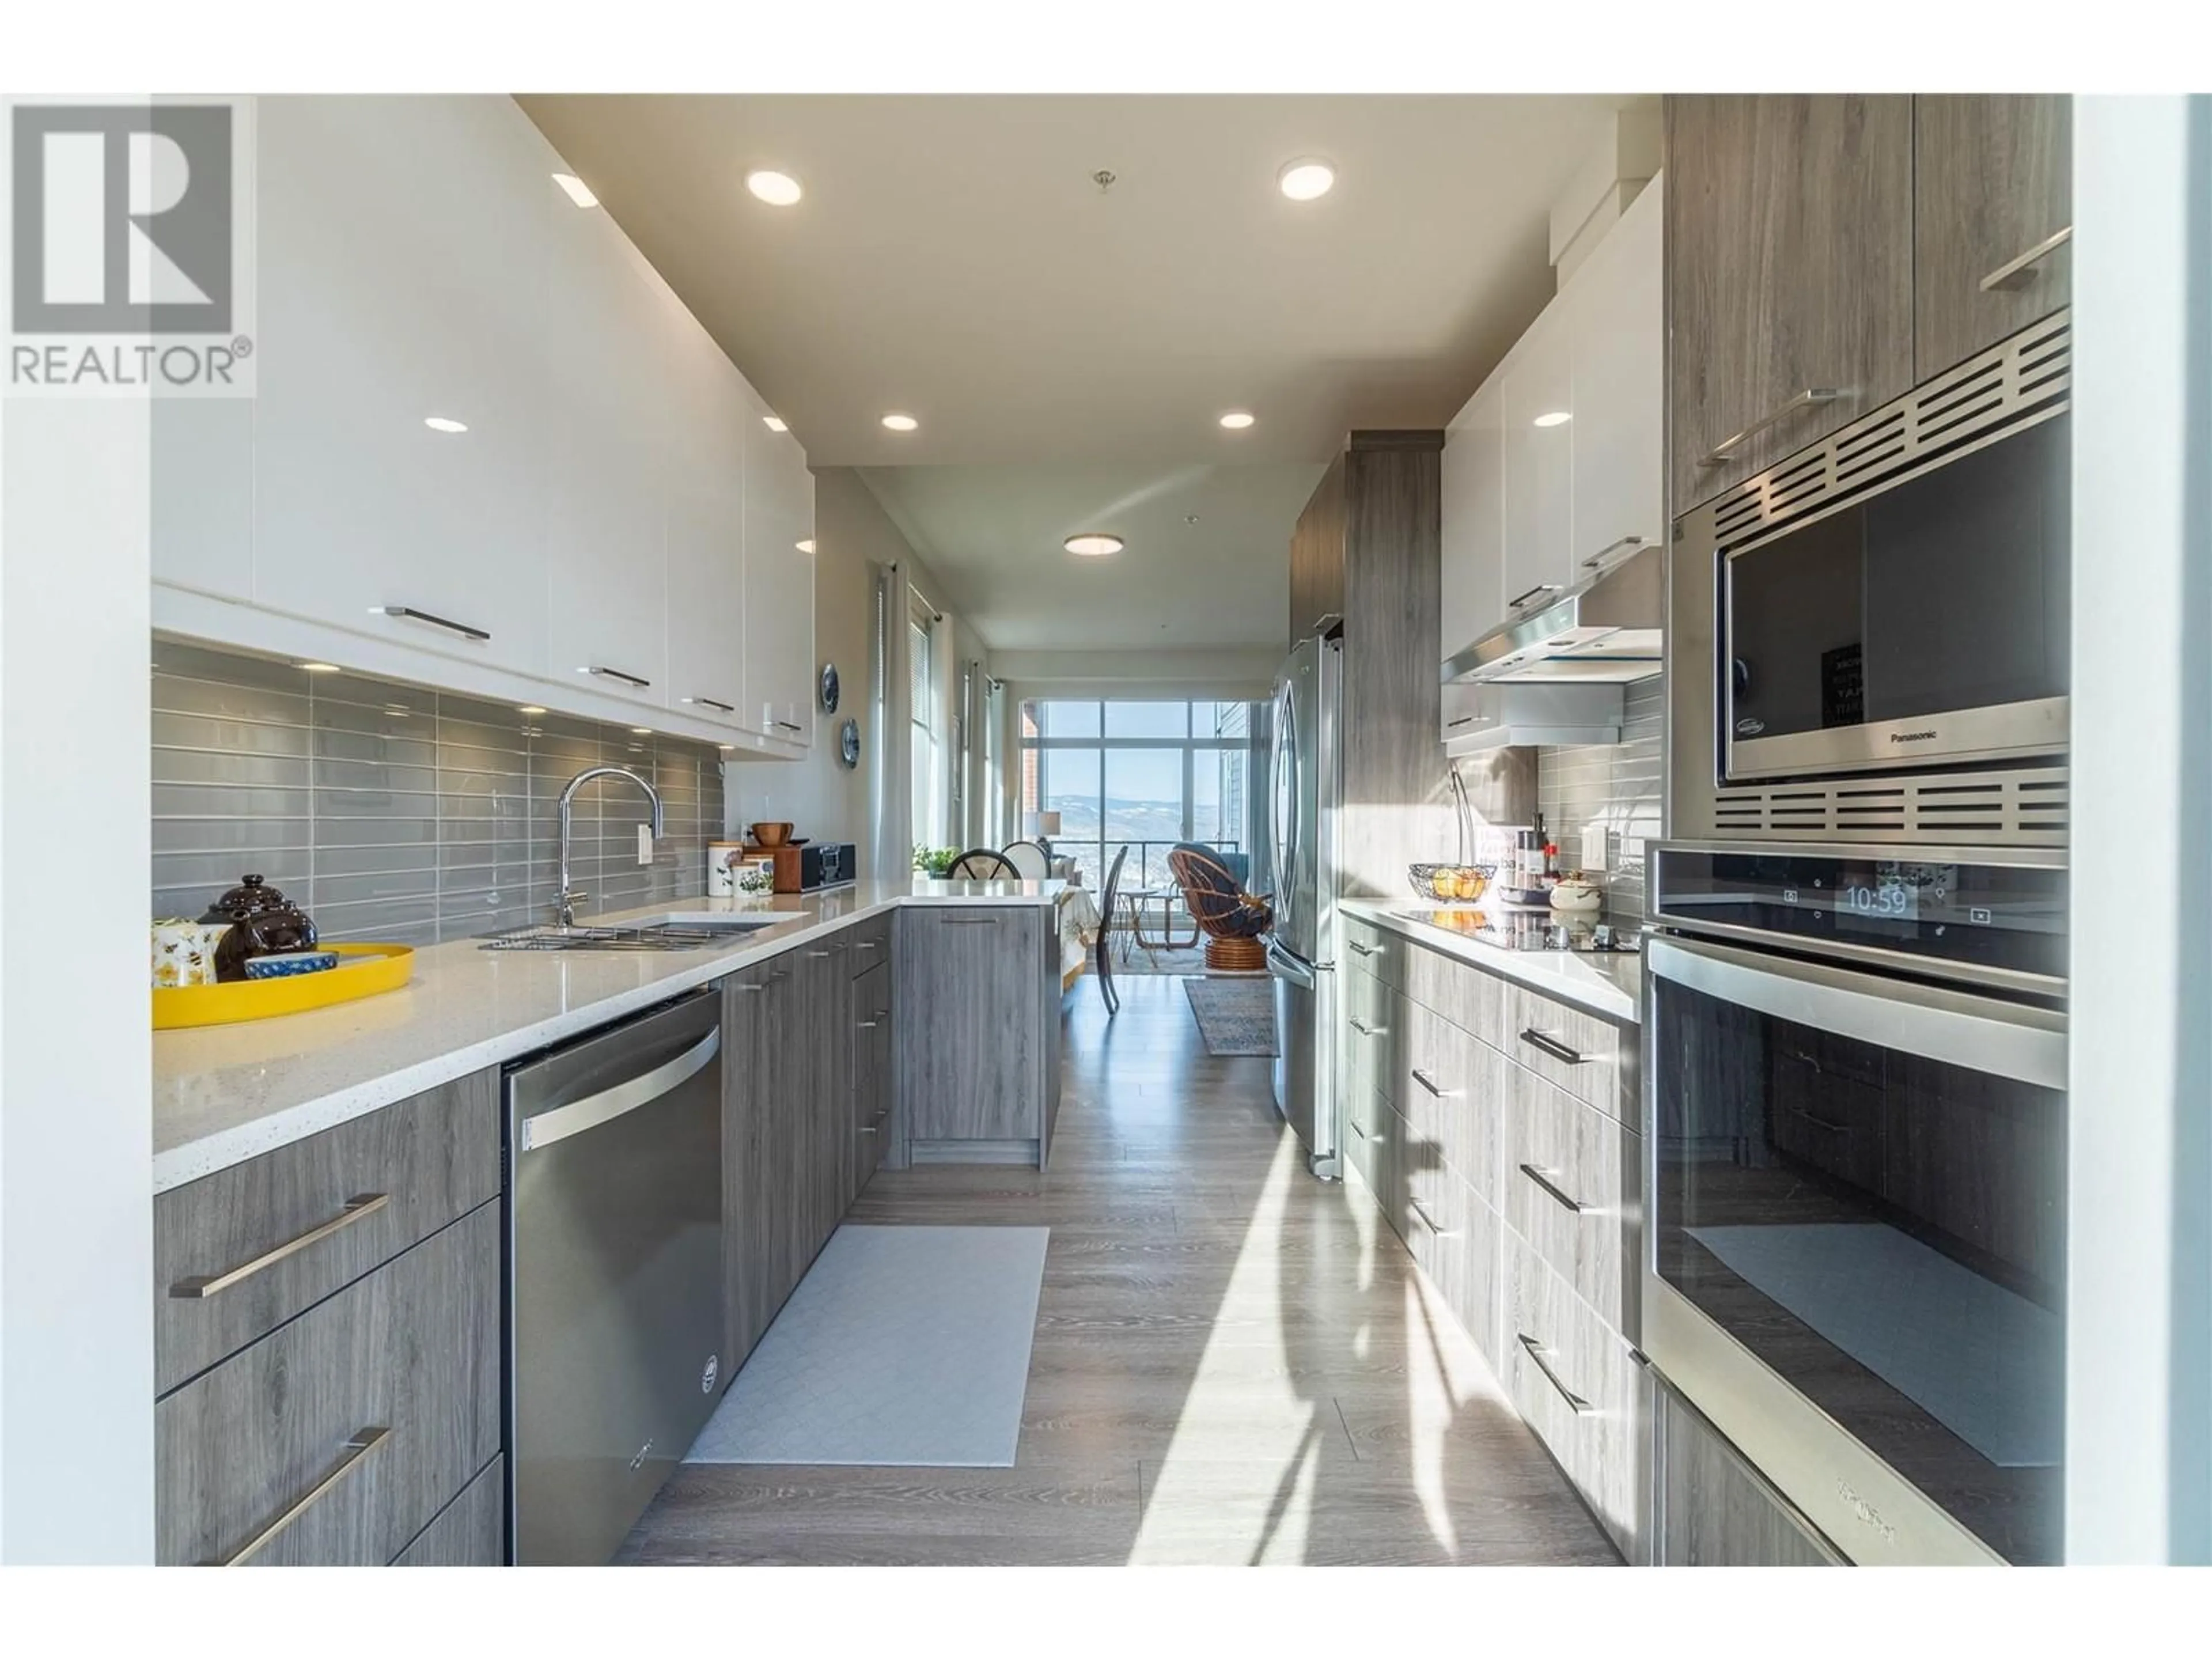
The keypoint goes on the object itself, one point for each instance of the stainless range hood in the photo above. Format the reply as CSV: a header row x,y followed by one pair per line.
x,y
1607,631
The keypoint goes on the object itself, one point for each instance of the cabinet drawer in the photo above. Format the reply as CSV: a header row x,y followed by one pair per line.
x,y
1472,999
1573,1183
1373,1031
1370,1142
1369,950
1580,1388
239,1252
1579,1052
1715,1510
1446,1093
469,1532
871,943
333,1440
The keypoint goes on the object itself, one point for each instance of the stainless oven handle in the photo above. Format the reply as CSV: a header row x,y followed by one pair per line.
x,y
607,1104
1982,1034
1809,398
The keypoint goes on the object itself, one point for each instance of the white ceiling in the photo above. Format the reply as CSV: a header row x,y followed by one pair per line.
x,y
1066,351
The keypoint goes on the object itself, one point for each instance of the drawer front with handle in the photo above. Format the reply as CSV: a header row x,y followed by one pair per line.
x,y
1373,1031
1369,950
334,1440
1446,1091
1370,1141
1579,1052
1472,999
871,943
1578,1384
1573,1182
239,1252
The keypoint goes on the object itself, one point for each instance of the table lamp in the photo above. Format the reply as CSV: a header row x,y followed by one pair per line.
x,y
1044,826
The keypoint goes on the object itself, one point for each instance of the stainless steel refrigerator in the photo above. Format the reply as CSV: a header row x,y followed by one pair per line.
x,y
1305,776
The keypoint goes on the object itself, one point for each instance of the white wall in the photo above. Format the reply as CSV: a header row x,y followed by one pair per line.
x,y
2139,1229
76,1251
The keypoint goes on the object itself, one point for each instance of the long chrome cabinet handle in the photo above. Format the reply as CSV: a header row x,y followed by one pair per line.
x,y
791,726
1553,1046
409,613
623,675
1535,1352
866,944
776,978
1810,398
971,922
1432,1085
1609,549
1540,587
1363,949
359,1207
1362,1132
1362,1026
1430,1221
713,702
364,1442
1546,1183
875,1124
2018,271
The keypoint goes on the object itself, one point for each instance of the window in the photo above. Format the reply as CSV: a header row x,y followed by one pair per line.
x,y
1140,774
922,779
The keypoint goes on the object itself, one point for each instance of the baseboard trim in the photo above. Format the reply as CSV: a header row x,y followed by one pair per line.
x,y
972,1152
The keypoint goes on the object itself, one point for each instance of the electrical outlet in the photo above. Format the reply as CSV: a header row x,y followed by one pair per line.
x,y
645,843
1596,840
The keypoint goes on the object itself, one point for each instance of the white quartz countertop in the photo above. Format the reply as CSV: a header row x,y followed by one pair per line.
x,y
1611,986
225,1093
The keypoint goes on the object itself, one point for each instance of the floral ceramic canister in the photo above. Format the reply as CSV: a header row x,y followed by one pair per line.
x,y
184,952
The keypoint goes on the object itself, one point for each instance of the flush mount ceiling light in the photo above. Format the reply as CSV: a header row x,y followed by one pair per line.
x,y
901,422
1237,419
319,667
578,191
774,423
1092,544
806,546
1553,417
776,189
441,424
1304,179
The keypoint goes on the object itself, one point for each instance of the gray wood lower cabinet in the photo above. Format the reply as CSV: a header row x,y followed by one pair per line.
x,y
1714,1510
241,1251
874,1060
763,1147
336,1438
979,1033
469,1532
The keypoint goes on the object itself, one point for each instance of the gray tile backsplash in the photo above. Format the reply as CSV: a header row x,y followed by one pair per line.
x,y
1620,785
392,812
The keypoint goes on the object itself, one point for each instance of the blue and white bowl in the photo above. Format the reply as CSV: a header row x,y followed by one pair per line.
x,y
287,964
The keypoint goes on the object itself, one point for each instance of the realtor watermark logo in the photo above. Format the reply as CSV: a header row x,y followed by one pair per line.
x,y
130,247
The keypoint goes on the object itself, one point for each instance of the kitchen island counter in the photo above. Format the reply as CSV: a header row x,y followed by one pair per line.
x,y
225,1093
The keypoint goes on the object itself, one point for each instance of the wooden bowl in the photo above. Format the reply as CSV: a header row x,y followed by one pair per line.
x,y
769,834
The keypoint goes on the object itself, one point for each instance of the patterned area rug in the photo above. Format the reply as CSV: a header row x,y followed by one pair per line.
x,y
1236,1014
904,1347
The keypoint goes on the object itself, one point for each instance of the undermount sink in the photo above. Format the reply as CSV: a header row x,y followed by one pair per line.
x,y
670,933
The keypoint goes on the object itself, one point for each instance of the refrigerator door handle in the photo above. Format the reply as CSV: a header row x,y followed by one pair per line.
x,y
1286,967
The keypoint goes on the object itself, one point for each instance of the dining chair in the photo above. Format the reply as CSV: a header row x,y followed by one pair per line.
x,y
1027,857
1106,992
982,864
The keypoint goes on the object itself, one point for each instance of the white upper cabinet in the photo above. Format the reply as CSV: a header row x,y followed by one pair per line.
x,y
1473,589
403,264
779,659
1554,469
1540,460
706,532
609,426
1619,391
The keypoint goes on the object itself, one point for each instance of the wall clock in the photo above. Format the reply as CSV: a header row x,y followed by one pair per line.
x,y
848,744
830,690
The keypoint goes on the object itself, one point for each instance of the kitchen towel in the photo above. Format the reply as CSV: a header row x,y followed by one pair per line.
x,y
902,1347
1985,1362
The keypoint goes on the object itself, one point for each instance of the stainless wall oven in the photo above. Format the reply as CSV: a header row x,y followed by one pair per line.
x,y
1856,1234
1888,603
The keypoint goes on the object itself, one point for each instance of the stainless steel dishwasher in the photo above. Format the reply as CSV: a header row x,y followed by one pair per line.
x,y
614,1275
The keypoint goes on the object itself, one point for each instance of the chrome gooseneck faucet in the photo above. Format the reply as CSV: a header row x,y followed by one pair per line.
x,y
565,903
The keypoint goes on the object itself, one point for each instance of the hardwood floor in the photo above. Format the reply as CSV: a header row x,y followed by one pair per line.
x,y
1233,1362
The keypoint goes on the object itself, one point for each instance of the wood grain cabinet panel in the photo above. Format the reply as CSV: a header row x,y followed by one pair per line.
x,y
469,1532
1443,1093
335,1439
1992,183
1789,268
1369,950
758,1006
1370,1142
1576,1051
873,1017
361,1192
1572,1188
972,1049
1714,1510
1469,998
1373,1038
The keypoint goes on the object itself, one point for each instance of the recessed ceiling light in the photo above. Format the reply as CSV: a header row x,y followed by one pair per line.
x,y
806,546
1190,518
579,191
901,422
1237,419
441,424
1553,417
319,667
530,708
1093,545
774,423
776,189
1306,178
641,731
725,745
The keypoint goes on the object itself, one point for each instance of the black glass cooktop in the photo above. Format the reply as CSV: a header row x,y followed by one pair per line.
x,y
1529,930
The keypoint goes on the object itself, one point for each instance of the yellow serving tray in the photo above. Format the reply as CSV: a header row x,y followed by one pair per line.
x,y
363,972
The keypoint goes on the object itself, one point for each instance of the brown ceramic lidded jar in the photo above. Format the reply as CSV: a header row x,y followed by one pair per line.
x,y
263,922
